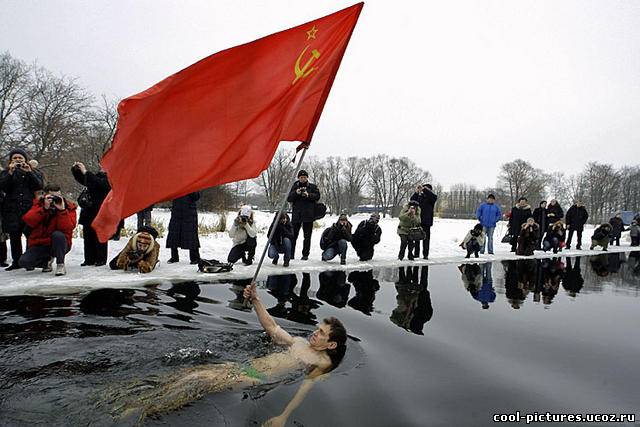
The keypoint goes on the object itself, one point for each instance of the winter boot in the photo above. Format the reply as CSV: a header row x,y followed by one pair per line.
x,y
49,267
476,254
60,270
343,261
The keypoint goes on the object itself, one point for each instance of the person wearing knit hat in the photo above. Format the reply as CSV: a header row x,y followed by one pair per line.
x,y
243,232
366,236
19,182
334,240
303,197
140,254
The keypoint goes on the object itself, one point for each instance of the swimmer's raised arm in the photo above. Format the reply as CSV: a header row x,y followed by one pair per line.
x,y
278,334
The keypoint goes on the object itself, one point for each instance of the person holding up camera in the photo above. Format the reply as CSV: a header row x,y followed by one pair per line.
x,y
426,199
52,220
90,200
527,239
366,236
19,182
243,232
474,241
410,219
334,240
140,254
281,241
303,197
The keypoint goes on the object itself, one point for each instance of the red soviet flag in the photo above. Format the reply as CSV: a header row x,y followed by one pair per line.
x,y
221,119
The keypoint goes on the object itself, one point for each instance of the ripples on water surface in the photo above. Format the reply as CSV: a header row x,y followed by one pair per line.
x,y
428,344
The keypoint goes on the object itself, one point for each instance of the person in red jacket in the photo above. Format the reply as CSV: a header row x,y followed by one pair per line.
x,y
52,220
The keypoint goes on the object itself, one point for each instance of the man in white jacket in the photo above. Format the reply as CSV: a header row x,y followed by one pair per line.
x,y
243,232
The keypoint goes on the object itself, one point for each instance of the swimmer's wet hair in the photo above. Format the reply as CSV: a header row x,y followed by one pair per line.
x,y
338,335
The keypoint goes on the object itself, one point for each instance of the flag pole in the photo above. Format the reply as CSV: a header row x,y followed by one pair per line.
x,y
277,217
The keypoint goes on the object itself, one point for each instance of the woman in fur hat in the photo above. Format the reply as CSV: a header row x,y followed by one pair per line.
x,y
141,254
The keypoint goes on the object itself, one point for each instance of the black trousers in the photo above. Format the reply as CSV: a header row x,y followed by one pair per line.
x,y
579,232
194,254
404,243
425,243
364,253
39,255
144,218
245,251
307,228
94,251
3,252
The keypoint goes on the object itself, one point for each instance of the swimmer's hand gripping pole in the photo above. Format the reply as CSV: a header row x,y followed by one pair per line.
x,y
283,205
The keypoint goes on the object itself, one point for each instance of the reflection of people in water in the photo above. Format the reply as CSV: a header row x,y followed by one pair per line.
x,y
414,300
282,287
573,280
486,294
471,275
184,294
552,273
334,288
515,289
600,264
366,287
318,355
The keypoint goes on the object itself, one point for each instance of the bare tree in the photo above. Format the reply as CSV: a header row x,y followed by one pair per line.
x,y
519,179
53,116
601,182
276,178
355,178
14,84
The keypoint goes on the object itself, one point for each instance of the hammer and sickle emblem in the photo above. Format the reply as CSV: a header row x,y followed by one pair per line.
x,y
303,72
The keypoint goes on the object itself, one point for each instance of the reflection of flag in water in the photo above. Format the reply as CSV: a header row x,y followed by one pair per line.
x,y
221,119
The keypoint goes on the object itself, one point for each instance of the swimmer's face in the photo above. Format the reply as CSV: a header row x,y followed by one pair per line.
x,y
319,339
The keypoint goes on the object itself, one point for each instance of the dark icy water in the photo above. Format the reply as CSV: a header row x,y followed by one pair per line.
x,y
441,345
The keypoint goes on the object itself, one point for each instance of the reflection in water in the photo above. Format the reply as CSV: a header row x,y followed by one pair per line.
x,y
366,287
485,294
413,300
283,289
573,279
334,288
185,294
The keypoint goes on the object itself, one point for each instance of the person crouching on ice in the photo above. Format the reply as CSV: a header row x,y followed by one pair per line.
x,y
140,254
366,236
528,238
51,220
281,243
334,240
243,232
473,241
554,238
601,236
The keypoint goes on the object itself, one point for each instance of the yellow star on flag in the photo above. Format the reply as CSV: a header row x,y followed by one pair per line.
x,y
311,34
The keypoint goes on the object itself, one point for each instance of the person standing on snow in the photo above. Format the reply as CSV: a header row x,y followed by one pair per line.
x,y
488,213
303,197
576,218
426,199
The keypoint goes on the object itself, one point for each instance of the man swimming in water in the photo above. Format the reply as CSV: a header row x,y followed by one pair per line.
x,y
317,355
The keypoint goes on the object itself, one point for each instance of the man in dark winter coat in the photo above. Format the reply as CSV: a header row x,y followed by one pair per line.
x,y
183,228
554,212
52,220
576,218
334,240
282,240
303,197
617,227
366,236
540,217
519,214
426,198
97,188
19,183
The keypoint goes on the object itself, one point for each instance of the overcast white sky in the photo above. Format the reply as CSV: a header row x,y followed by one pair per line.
x,y
458,86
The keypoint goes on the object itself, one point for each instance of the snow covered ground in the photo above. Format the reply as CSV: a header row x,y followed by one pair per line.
x,y
446,234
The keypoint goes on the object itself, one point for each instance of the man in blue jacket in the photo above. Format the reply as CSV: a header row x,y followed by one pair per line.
x,y
489,214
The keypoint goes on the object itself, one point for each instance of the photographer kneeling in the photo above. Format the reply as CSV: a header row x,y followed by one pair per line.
x,y
243,232
141,253
52,220
334,240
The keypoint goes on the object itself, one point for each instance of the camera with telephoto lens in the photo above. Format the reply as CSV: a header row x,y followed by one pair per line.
x,y
244,218
135,254
56,199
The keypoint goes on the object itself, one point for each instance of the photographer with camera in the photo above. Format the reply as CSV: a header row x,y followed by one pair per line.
x,y
281,241
474,241
334,240
527,239
52,220
366,236
409,220
426,199
90,200
243,232
140,254
19,182
303,197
